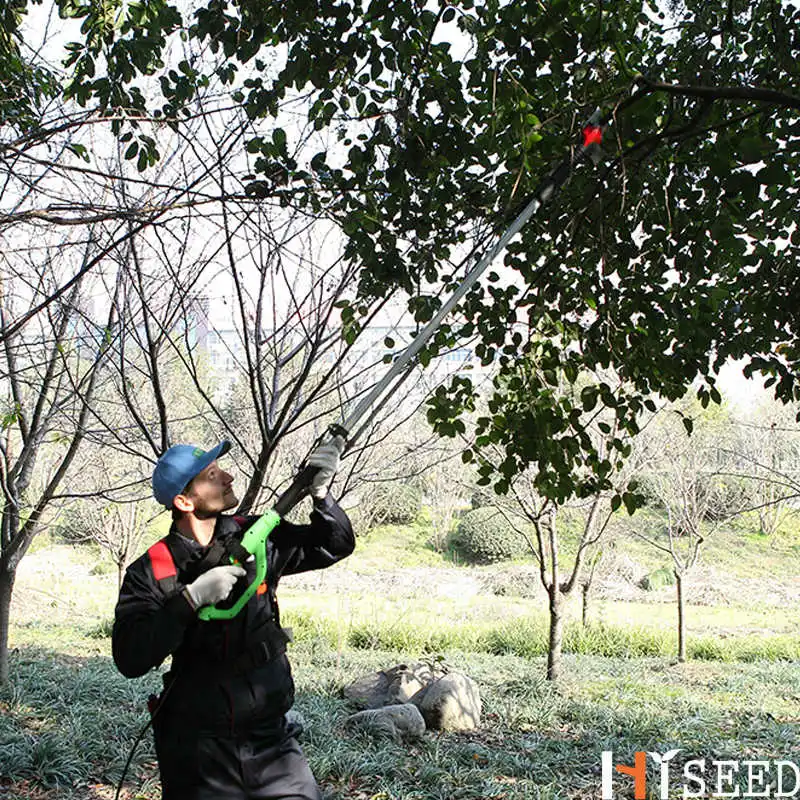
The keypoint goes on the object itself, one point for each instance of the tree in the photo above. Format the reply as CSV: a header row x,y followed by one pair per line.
x,y
678,253
98,330
600,472
50,378
119,526
694,480
425,129
447,491
766,447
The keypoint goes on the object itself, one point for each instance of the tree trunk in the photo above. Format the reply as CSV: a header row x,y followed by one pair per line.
x,y
556,634
585,602
7,577
681,618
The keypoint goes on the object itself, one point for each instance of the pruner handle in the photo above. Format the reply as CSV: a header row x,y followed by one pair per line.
x,y
255,542
255,538
301,483
298,489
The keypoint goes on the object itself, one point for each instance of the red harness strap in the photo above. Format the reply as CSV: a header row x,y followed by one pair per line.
x,y
161,560
164,570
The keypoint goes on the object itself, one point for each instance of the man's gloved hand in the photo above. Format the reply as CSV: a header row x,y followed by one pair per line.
x,y
213,586
326,458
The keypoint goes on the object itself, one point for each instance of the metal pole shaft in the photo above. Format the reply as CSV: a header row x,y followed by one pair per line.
x,y
410,352
544,192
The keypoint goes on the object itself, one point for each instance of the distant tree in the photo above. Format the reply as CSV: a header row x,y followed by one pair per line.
x,y
766,445
602,469
696,483
559,578
594,564
447,488
119,526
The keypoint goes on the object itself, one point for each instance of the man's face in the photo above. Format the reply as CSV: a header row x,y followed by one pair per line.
x,y
211,492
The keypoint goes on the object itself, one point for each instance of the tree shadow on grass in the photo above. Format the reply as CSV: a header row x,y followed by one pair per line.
x,y
69,723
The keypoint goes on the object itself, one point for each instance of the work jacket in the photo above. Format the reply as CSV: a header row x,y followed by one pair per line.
x,y
226,676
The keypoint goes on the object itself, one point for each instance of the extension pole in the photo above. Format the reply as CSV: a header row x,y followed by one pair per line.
x,y
592,137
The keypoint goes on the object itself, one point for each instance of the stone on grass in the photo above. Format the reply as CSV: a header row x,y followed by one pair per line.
x,y
451,703
395,685
368,691
403,721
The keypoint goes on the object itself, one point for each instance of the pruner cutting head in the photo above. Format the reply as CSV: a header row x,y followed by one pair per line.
x,y
593,138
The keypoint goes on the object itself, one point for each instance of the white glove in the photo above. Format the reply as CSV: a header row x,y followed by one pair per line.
x,y
213,586
326,459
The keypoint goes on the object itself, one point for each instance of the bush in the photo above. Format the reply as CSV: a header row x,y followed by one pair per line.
x,y
398,504
484,535
658,579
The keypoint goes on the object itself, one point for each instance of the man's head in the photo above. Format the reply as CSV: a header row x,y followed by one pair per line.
x,y
188,479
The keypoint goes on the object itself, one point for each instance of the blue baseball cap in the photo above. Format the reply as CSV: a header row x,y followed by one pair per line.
x,y
179,465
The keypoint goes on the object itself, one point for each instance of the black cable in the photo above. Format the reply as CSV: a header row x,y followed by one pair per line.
x,y
159,703
130,756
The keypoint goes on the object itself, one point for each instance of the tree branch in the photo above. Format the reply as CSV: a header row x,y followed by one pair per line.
x,y
751,93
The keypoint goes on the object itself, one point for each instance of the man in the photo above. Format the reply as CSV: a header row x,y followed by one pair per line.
x,y
220,727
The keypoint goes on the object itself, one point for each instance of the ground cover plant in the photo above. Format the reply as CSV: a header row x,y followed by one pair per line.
x,y
69,721
68,718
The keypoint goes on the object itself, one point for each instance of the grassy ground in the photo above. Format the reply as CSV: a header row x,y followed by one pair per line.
x,y
67,719
68,722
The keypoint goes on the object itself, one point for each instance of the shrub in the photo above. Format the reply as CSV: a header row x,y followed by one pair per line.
x,y
658,579
484,535
514,582
397,504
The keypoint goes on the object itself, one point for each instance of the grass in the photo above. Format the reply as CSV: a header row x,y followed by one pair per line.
x,y
735,547
527,638
68,719
403,547
68,722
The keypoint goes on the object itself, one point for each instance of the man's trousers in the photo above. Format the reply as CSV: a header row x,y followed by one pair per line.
x,y
263,765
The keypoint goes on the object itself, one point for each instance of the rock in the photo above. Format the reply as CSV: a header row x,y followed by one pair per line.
x,y
403,721
390,687
451,703
368,691
295,719
405,680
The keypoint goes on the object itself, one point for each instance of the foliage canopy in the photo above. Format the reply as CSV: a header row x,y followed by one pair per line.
x,y
425,128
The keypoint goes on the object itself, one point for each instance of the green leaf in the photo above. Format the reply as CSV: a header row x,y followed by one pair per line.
x,y
631,501
589,397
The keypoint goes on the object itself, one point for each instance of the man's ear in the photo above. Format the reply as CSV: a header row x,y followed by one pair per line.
x,y
182,503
